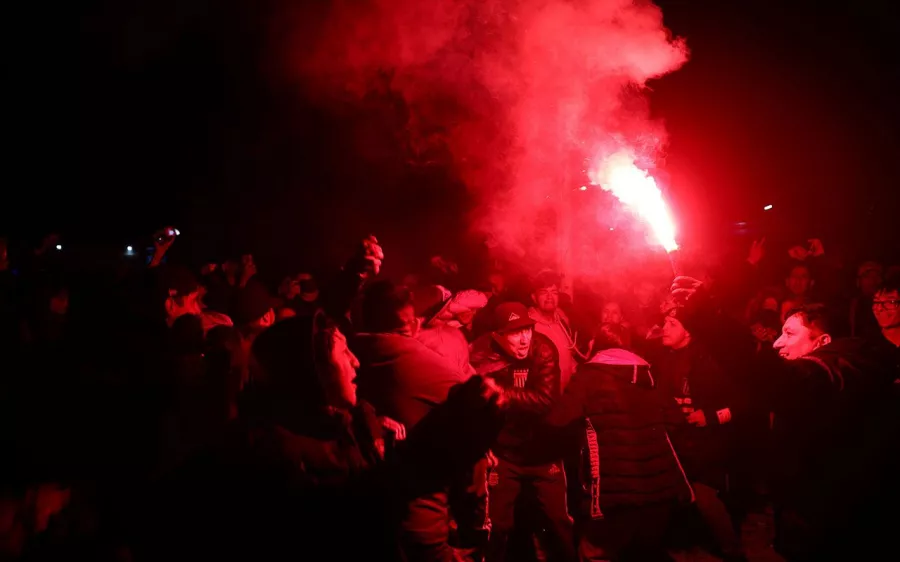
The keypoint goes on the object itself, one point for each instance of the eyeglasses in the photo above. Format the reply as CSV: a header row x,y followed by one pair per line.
x,y
886,305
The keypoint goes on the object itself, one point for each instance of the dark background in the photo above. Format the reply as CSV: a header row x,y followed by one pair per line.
x,y
139,113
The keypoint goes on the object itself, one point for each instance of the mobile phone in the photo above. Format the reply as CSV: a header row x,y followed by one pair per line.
x,y
168,235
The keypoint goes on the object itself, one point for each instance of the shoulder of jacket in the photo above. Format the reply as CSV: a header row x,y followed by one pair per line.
x,y
543,346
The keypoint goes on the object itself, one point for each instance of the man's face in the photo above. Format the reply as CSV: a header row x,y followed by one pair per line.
x,y
465,317
886,307
797,340
291,288
342,372
674,334
611,313
409,321
798,281
546,299
517,344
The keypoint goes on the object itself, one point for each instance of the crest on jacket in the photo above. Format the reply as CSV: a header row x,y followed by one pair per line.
x,y
520,377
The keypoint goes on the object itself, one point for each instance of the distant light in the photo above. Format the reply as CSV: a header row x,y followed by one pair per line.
x,y
583,188
767,208
59,246
612,228
129,249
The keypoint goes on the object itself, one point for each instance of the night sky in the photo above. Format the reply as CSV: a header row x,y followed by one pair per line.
x,y
157,112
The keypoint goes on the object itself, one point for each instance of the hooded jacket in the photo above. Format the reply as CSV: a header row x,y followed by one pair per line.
x,y
613,413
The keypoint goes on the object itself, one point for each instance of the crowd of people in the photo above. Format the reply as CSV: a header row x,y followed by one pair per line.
x,y
165,413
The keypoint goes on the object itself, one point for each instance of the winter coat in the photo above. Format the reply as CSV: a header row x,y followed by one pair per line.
x,y
613,413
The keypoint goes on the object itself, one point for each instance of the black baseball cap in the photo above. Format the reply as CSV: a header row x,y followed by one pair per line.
x,y
510,317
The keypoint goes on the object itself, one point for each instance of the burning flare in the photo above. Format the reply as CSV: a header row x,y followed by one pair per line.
x,y
638,191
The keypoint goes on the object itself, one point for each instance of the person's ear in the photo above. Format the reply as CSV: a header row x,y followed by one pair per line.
x,y
268,319
534,298
823,340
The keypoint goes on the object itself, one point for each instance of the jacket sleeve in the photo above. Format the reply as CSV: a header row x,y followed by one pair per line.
x,y
728,401
543,382
731,350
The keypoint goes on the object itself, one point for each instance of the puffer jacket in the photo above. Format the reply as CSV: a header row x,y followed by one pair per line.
x,y
529,385
613,413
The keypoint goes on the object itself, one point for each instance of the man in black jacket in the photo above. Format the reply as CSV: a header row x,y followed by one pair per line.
x,y
709,397
835,431
525,365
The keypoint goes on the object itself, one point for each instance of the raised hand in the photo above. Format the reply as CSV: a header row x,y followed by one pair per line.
x,y
371,256
757,251
816,248
396,427
685,287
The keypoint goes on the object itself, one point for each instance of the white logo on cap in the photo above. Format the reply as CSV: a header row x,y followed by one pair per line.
x,y
513,316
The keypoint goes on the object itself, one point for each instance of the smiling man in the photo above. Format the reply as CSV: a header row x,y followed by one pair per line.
x,y
886,309
834,414
525,364
833,460
805,330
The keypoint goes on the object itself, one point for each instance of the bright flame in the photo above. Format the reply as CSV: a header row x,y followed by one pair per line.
x,y
638,191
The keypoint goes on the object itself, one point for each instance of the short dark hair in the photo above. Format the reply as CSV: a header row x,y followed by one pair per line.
x,y
815,316
382,301
545,279
890,284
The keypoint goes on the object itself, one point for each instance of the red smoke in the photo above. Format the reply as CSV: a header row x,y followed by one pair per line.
x,y
523,93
